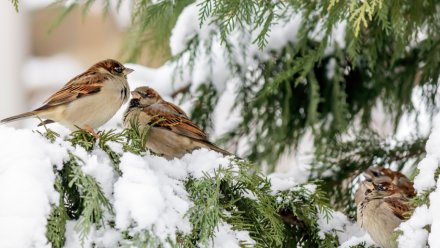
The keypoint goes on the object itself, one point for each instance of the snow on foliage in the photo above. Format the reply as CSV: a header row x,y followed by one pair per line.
x,y
149,195
26,186
415,231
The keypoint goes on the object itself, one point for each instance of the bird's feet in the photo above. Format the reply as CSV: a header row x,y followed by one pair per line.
x,y
90,129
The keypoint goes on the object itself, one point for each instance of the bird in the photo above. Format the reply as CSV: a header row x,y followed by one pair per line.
x,y
381,211
380,175
172,134
396,177
88,100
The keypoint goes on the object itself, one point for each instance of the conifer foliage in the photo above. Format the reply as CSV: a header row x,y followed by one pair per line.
x,y
296,67
231,195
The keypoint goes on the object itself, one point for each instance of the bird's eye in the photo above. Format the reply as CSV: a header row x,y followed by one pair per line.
x,y
380,187
376,174
118,69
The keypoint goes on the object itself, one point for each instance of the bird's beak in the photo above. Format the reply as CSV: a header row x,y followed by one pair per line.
x,y
368,175
127,71
135,95
369,185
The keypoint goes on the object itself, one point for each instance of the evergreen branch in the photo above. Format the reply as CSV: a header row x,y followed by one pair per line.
x,y
111,136
137,137
49,134
15,3
300,208
82,138
93,199
56,224
359,14
206,213
145,239
338,163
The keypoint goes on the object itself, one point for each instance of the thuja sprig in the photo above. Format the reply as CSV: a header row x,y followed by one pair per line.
x,y
15,3
82,138
111,136
137,137
300,208
206,212
49,134
94,202
56,223
251,206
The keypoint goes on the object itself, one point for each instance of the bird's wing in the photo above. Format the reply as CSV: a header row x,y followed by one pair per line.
x,y
170,108
399,206
85,84
177,109
177,123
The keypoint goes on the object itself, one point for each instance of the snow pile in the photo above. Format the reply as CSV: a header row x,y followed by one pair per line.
x,y
225,237
348,233
26,186
414,230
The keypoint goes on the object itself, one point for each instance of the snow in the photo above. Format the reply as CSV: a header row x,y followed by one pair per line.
x,y
26,186
99,166
348,233
414,235
414,232
163,199
425,179
225,237
150,195
281,181
434,199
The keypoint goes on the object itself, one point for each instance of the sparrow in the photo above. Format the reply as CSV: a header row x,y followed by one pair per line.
x,y
396,177
88,100
172,134
381,175
381,211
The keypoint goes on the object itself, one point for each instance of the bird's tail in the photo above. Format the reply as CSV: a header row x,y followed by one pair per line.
x,y
220,150
18,117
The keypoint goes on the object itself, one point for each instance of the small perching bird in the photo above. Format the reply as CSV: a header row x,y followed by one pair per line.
x,y
172,133
380,175
382,203
88,100
381,212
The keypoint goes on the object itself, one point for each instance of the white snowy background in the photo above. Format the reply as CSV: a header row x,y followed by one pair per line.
x,y
150,192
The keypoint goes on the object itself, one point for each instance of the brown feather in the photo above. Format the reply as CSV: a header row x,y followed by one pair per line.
x,y
399,206
179,124
91,83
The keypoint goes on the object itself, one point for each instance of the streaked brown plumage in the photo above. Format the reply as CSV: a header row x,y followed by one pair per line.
x,y
88,100
381,211
172,133
396,177
379,175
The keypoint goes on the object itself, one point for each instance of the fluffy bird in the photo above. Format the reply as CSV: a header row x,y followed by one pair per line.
x,y
381,211
88,100
172,133
380,175
396,177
